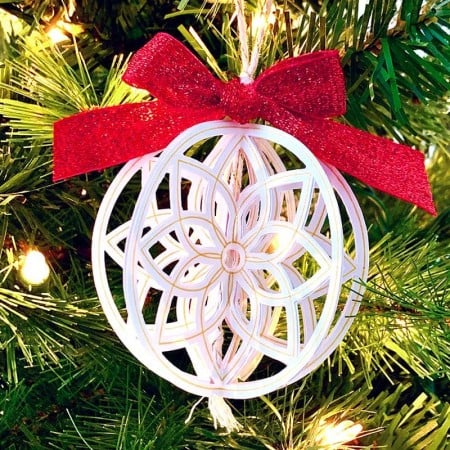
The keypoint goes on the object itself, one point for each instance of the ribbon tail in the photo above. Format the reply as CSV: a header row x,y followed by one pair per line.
x,y
393,168
101,138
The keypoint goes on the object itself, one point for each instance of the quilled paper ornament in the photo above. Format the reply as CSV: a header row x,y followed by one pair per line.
x,y
243,259
238,276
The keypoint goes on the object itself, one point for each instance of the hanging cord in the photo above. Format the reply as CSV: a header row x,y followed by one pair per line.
x,y
250,60
243,41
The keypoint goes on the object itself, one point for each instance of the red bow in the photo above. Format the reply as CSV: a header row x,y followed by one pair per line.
x,y
296,95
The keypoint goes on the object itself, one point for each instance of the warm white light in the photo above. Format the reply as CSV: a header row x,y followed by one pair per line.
x,y
56,35
261,21
280,242
62,31
337,434
34,269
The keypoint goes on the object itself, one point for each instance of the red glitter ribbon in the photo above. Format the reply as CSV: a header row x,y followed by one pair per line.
x,y
297,95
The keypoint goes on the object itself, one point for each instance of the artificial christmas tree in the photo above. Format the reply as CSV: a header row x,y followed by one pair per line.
x,y
68,383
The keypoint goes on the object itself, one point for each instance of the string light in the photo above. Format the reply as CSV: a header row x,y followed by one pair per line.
x,y
34,269
57,35
336,434
61,31
280,242
262,21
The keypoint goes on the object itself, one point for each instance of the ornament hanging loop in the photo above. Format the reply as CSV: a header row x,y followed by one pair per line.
x,y
250,59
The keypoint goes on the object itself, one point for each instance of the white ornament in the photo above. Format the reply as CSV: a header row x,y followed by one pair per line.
x,y
243,270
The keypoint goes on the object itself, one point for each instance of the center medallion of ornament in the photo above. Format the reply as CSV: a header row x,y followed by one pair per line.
x,y
233,257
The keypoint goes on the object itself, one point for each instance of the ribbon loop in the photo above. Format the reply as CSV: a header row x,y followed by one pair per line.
x,y
297,95
310,86
172,74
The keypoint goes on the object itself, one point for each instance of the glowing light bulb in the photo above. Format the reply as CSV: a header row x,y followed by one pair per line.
x,y
280,242
34,269
337,434
263,19
62,31
57,35
258,22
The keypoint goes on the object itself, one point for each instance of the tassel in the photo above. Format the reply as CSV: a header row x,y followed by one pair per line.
x,y
222,414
